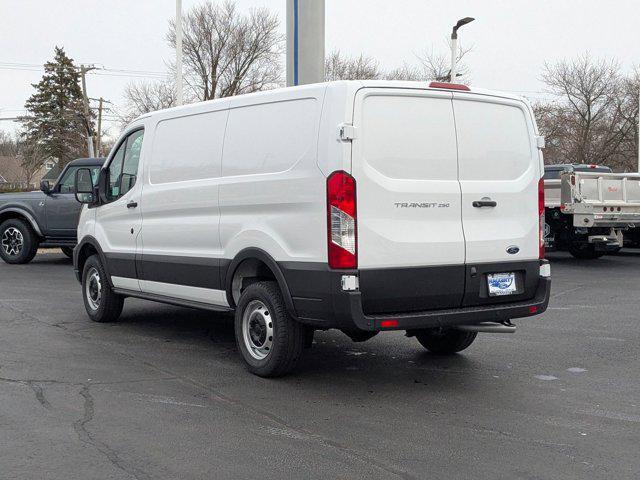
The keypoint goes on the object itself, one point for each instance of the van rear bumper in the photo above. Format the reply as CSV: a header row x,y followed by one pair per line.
x,y
450,317
319,301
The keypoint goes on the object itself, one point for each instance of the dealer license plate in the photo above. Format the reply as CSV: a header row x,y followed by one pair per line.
x,y
501,284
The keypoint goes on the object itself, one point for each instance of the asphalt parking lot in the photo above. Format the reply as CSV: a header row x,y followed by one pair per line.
x,y
163,393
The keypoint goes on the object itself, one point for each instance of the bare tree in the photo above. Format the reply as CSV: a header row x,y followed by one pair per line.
x,y
437,65
589,92
227,53
147,97
628,111
339,67
30,155
432,66
405,72
8,144
33,156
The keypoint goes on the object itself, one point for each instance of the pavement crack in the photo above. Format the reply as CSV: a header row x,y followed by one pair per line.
x,y
39,392
264,416
80,426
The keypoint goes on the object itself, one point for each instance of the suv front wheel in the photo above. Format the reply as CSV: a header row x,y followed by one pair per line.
x,y
269,339
101,303
18,241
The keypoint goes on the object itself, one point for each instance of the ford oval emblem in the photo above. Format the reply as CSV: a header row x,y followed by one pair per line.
x,y
513,249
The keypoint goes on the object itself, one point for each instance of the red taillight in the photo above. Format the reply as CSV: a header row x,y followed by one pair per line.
x,y
449,86
341,221
388,323
541,216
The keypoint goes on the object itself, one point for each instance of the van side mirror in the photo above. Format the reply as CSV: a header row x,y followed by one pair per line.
x,y
83,187
45,187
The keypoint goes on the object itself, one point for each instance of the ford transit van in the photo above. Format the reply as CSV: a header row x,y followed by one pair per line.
x,y
363,206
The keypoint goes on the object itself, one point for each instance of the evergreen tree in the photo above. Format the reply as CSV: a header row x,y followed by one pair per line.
x,y
56,122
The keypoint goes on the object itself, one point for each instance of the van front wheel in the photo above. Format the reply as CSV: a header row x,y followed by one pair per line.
x,y
445,342
101,303
269,339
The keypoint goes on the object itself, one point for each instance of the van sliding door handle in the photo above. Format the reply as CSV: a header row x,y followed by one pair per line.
x,y
132,204
484,203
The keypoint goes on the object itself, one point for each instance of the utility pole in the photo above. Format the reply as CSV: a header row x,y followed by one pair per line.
x,y
83,72
179,93
99,137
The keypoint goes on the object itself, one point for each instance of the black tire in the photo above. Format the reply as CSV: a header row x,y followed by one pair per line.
x,y
584,251
18,241
107,307
445,342
68,251
262,301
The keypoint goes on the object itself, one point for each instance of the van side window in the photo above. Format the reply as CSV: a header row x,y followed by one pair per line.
x,y
131,161
123,169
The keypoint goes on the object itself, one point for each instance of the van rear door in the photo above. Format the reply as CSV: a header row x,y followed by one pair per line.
x,y
499,172
411,250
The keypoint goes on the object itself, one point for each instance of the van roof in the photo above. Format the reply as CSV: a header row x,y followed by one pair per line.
x,y
351,85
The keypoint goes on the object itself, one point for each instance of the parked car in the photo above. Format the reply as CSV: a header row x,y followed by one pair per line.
x,y
48,218
362,206
589,208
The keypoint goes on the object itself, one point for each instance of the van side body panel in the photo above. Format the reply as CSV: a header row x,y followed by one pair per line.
x,y
271,189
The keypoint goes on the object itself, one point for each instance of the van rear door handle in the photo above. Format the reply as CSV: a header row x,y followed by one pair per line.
x,y
132,204
485,202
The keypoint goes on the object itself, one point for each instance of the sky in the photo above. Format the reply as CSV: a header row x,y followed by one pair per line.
x,y
511,39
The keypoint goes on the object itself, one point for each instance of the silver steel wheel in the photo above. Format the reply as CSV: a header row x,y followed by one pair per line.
x,y
257,329
12,241
93,288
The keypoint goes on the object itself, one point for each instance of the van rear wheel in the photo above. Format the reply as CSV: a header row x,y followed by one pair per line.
x,y
269,339
101,303
445,342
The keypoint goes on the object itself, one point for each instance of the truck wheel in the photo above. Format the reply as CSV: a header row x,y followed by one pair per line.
x,y
68,251
18,242
269,339
584,251
445,342
101,303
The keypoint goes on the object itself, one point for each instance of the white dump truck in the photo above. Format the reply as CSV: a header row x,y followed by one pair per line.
x,y
588,208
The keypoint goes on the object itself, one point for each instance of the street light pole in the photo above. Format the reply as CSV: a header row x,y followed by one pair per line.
x,y
454,45
179,94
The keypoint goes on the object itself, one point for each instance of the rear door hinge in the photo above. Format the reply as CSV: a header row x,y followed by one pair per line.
x,y
347,132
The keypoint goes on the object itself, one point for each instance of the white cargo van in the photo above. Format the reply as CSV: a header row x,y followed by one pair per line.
x,y
362,206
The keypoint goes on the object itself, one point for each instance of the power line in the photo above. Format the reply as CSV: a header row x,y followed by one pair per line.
x,y
105,71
